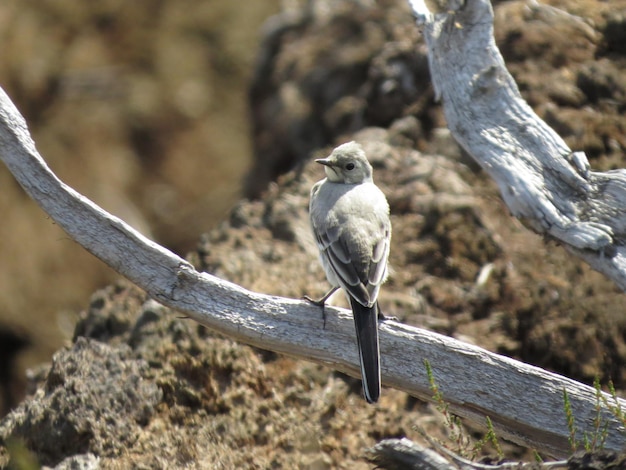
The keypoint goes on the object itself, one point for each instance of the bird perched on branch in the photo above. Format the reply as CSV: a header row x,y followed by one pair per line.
x,y
350,221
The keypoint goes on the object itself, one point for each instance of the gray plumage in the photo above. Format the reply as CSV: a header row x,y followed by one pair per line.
x,y
350,221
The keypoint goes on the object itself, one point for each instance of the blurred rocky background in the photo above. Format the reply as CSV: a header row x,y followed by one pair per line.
x,y
141,107
157,140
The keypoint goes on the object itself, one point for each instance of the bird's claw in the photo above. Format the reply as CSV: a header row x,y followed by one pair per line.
x,y
319,302
382,317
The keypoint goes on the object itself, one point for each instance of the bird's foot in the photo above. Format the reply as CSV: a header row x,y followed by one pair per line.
x,y
320,303
382,317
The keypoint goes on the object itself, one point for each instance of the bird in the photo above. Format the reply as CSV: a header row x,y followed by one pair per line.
x,y
349,217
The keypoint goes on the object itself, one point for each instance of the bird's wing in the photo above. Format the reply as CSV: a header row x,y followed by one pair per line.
x,y
353,232
378,266
361,280
334,249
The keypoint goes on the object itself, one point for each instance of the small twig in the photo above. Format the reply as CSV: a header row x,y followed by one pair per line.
x,y
464,463
397,454
404,454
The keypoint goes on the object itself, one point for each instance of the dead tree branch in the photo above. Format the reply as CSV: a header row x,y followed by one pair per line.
x,y
524,402
404,454
543,182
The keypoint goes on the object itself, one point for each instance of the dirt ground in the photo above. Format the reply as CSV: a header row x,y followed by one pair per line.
x,y
139,387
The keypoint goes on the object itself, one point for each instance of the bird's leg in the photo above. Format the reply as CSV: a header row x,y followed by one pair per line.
x,y
321,302
382,317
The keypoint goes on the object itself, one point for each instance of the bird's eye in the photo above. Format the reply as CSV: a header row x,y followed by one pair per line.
x,y
350,166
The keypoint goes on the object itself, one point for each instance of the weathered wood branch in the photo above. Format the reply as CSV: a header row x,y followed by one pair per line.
x,y
396,454
524,402
404,454
543,182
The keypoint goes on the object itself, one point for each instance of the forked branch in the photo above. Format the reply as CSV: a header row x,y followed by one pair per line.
x,y
542,181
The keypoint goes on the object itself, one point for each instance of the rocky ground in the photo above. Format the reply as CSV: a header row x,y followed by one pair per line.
x,y
140,387
141,107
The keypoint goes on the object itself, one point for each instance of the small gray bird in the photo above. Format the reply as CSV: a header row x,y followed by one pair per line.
x,y
350,221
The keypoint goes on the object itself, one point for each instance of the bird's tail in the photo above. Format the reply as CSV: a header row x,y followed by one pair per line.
x,y
366,323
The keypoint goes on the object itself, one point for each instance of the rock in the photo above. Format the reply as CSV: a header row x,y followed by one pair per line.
x,y
78,462
95,398
327,72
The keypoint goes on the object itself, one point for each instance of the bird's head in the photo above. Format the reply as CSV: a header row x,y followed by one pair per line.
x,y
347,164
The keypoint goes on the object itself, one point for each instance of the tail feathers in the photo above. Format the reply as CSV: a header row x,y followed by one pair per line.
x,y
366,323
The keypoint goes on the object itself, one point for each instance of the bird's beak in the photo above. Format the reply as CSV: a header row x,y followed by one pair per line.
x,y
324,161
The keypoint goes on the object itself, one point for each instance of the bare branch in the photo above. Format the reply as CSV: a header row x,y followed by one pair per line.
x,y
543,182
523,402
403,453
392,454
